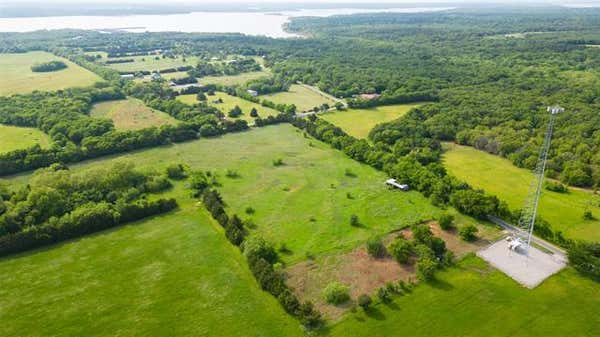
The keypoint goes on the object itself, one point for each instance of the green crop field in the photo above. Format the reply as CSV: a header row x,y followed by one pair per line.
x,y
303,203
358,122
500,177
16,138
474,299
229,102
131,114
171,275
16,76
235,79
149,63
304,98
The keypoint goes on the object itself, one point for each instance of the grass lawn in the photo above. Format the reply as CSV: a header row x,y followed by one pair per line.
x,y
359,122
303,203
475,300
235,79
149,63
15,138
16,76
229,102
499,176
171,275
304,99
131,114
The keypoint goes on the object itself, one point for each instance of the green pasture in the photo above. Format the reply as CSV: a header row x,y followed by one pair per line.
x,y
359,122
473,299
170,275
16,76
150,63
235,79
16,138
229,102
307,202
130,114
500,177
304,98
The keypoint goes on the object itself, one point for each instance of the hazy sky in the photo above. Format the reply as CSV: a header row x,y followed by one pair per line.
x,y
164,2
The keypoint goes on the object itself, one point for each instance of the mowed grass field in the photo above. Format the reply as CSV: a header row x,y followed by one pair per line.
x,y
474,299
305,203
500,177
130,114
16,138
304,98
229,102
234,79
16,76
149,63
359,122
170,275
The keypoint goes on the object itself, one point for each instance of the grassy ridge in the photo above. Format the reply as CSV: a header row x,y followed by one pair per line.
x,y
15,138
172,275
359,122
131,114
500,177
476,300
16,76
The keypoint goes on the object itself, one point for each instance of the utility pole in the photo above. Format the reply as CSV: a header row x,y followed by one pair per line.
x,y
529,211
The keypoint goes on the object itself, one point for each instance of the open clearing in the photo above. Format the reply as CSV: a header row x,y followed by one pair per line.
x,y
304,98
131,114
304,203
359,122
500,177
16,76
229,102
474,299
364,273
150,63
235,79
171,275
16,138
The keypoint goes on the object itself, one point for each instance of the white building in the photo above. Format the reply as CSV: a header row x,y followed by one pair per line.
x,y
253,93
127,77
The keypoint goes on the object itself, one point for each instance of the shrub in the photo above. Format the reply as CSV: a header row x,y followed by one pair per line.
x,y
556,187
375,247
424,251
349,173
250,210
422,234
587,215
401,249
48,66
384,295
258,248
468,233
176,171
354,222
446,222
426,269
232,174
364,301
278,162
309,316
336,293
438,246
585,257
253,113
235,112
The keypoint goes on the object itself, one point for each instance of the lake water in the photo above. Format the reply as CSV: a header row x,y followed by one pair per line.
x,y
251,23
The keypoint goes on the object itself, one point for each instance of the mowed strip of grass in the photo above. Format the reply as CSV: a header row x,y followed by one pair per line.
x,y
474,299
307,202
359,122
171,275
500,177
304,98
130,114
229,102
16,138
16,76
150,63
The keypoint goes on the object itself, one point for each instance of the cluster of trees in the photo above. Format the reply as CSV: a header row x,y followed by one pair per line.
x,y
58,205
260,254
223,68
48,66
267,85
